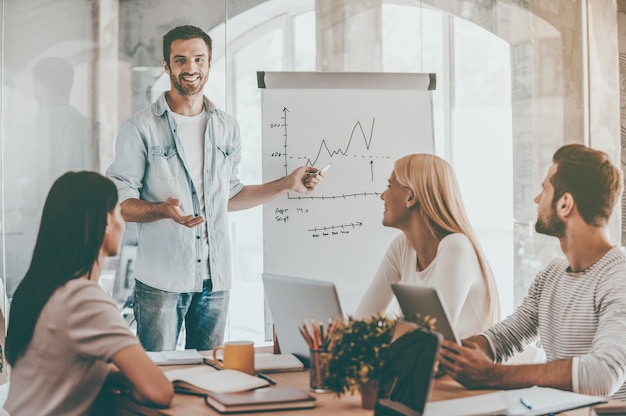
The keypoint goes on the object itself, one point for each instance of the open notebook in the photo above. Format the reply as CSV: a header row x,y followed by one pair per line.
x,y
521,402
203,379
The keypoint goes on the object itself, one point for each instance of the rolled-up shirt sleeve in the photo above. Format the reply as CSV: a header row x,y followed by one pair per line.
x,y
235,184
127,171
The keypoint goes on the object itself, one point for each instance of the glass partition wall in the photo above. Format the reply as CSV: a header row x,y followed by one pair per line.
x,y
507,96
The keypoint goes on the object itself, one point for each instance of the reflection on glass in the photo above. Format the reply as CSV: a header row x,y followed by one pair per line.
x,y
65,139
45,134
55,138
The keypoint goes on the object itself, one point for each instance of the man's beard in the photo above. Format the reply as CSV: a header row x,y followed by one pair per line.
x,y
187,91
553,226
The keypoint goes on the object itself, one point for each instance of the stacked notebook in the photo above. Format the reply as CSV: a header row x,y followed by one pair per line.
x,y
277,363
269,363
273,398
609,409
176,357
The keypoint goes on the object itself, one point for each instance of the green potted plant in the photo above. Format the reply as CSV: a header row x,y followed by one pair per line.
x,y
356,356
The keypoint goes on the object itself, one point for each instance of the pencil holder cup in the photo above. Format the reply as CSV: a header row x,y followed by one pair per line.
x,y
317,368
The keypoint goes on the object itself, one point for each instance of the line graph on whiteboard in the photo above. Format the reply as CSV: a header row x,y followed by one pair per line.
x,y
356,152
359,135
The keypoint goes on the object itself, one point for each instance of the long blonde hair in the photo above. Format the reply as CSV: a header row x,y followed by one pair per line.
x,y
434,185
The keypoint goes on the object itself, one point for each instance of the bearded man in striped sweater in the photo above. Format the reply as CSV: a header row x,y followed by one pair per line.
x,y
576,306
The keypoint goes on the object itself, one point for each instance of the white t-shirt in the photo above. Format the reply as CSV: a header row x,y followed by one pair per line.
x,y
65,365
455,273
191,133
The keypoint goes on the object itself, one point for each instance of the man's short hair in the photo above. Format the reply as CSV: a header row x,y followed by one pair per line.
x,y
591,178
184,32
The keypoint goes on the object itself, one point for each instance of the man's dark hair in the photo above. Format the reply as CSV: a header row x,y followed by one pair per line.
x,y
184,32
591,178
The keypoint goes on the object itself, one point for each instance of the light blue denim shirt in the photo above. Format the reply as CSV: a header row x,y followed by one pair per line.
x,y
150,165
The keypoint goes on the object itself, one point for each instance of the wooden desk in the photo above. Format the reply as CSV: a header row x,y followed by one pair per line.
x,y
326,404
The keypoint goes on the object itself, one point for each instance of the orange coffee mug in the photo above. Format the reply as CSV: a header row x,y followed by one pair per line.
x,y
238,355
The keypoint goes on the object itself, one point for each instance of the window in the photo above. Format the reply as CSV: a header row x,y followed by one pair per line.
x,y
115,55
284,41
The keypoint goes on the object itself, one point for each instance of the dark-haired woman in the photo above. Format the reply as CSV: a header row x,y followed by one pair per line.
x,y
65,334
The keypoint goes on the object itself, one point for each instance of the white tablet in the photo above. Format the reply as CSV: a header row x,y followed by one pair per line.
x,y
422,300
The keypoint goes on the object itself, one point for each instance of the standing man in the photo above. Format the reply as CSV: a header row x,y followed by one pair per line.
x,y
176,170
576,306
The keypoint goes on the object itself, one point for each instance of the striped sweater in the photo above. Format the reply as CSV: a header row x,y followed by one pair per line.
x,y
575,315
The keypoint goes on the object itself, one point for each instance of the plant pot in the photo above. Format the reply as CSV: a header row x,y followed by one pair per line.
x,y
369,393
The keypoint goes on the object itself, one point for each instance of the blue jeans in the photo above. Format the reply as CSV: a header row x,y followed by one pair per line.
x,y
160,315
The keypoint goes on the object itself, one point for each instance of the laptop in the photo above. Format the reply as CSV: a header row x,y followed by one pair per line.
x,y
406,386
422,300
291,301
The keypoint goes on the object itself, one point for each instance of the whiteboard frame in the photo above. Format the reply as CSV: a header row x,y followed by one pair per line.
x,y
347,80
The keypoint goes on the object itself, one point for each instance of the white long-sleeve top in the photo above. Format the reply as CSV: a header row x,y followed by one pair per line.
x,y
581,316
455,273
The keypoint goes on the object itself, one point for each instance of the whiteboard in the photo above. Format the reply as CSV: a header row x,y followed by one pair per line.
x,y
361,123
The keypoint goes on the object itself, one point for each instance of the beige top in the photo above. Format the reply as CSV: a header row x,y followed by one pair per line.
x,y
65,364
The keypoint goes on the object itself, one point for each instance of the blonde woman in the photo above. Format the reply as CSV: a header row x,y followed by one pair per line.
x,y
437,247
